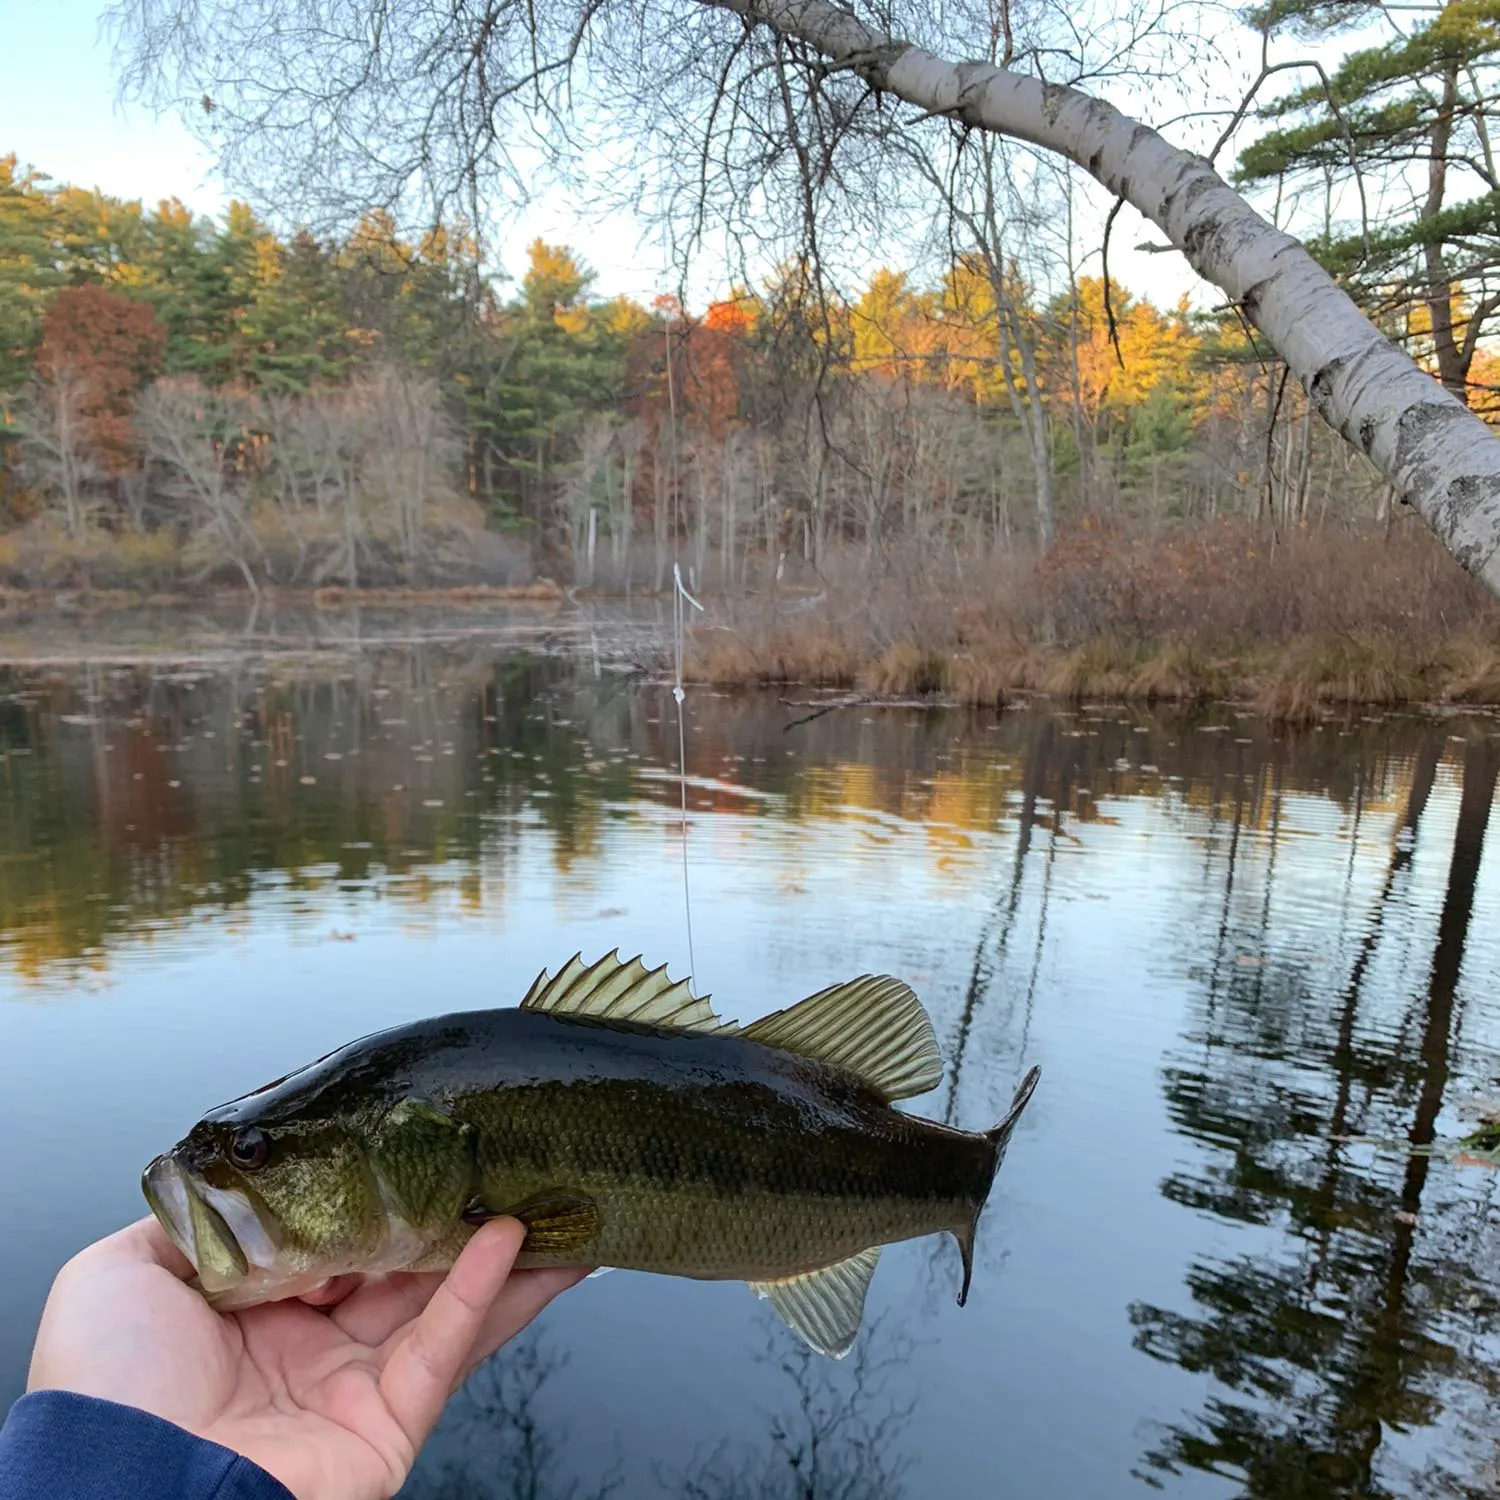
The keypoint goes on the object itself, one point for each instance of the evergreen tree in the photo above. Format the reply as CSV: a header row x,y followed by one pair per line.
x,y
557,358
1413,110
28,267
293,330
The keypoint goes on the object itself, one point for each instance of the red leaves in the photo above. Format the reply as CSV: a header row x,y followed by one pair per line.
x,y
105,347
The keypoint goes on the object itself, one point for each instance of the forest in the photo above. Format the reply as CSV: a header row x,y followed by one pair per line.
x,y
188,400
1053,483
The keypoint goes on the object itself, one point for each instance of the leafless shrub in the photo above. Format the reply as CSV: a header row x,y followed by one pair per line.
x,y
1207,612
56,457
195,437
352,483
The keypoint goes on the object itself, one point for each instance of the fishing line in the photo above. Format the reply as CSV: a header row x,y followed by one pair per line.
x,y
681,597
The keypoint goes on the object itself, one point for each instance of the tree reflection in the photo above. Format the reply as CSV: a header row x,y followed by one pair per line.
x,y
495,1441
832,1432
1366,1320
835,1435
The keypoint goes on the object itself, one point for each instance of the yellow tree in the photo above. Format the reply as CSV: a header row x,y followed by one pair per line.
x,y
992,328
882,323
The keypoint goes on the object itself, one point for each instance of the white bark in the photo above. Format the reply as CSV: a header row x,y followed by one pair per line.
x,y
1437,454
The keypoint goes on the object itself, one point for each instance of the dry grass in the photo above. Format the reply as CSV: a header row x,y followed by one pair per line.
x,y
982,681
813,653
1180,672
906,671
1311,675
1469,668
1306,627
337,597
44,557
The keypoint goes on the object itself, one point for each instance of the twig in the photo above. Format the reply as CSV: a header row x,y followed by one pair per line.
x,y
827,706
1267,68
1109,309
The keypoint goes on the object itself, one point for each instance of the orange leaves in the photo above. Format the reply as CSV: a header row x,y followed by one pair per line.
x,y
1483,390
691,366
736,316
887,326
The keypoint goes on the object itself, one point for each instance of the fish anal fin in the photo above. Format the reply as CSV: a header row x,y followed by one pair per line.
x,y
556,1223
616,989
874,1027
824,1307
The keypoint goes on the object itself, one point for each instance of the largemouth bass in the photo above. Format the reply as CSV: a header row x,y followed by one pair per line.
x,y
621,1120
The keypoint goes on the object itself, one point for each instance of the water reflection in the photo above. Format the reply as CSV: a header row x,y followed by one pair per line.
x,y
835,1433
1355,1351
1256,969
831,1432
498,1442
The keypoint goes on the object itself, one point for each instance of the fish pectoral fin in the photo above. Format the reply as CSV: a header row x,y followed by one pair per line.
x,y
824,1307
614,989
873,1026
556,1223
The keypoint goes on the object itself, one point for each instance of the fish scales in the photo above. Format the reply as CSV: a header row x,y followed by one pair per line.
x,y
621,1120
718,1157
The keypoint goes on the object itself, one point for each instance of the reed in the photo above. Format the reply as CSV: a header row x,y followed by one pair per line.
x,y
1314,625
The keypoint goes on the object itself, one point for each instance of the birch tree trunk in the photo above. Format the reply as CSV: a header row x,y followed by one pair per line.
x,y
1438,456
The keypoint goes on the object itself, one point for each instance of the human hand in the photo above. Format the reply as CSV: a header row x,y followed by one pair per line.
x,y
333,1399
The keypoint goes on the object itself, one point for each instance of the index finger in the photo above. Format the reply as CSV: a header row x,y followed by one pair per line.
x,y
430,1357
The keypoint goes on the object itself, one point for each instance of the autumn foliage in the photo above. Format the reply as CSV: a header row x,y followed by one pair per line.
x,y
230,403
98,351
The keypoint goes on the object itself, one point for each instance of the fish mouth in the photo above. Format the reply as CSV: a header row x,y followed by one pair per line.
x,y
218,1230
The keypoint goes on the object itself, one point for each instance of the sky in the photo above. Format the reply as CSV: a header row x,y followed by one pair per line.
x,y
60,113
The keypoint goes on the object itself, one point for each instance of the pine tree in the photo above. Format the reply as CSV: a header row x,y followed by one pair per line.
x,y
294,332
28,268
1411,114
557,359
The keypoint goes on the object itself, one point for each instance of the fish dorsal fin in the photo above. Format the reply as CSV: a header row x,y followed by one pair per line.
x,y
872,1026
616,990
824,1307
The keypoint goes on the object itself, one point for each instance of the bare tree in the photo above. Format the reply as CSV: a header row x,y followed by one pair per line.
x,y
194,436
774,117
407,449
55,448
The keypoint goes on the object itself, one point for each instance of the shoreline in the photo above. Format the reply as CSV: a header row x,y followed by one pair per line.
x,y
73,602
1301,680
819,666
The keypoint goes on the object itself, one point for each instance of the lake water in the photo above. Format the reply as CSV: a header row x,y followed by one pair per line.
x,y
1228,950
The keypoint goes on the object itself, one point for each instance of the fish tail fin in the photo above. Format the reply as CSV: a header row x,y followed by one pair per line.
x,y
999,1139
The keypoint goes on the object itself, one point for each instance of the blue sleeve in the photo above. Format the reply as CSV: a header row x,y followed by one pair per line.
x,y
59,1446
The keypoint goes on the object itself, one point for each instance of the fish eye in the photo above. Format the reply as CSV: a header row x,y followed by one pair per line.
x,y
249,1148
